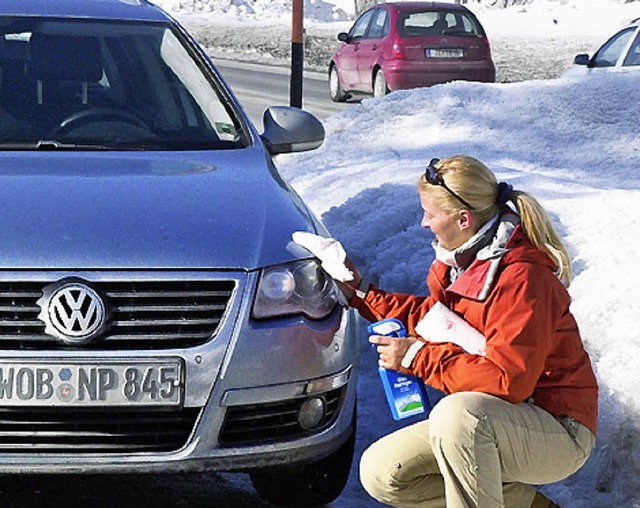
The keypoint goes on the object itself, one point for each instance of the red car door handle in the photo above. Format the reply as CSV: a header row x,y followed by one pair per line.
x,y
374,47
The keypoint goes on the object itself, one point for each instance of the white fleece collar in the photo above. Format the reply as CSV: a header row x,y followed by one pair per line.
x,y
462,256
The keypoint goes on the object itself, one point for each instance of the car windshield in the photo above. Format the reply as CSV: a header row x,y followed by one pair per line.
x,y
74,84
425,23
608,54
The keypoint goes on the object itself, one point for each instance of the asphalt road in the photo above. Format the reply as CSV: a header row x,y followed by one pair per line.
x,y
259,86
129,491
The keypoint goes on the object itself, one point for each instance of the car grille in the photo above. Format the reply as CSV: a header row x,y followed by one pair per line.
x,y
274,421
45,430
143,315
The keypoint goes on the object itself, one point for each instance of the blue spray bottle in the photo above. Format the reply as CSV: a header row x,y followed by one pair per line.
x,y
406,395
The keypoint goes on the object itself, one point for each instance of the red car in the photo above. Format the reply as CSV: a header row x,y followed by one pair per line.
x,y
405,45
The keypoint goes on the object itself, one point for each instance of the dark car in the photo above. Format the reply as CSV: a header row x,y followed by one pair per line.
x,y
406,45
155,314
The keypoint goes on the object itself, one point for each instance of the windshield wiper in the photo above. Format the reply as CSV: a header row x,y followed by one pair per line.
x,y
128,146
46,144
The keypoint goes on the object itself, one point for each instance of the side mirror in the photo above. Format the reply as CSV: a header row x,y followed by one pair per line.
x,y
343,37
288,129
581,59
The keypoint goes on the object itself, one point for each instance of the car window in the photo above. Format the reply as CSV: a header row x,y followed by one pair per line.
x,y
462,24
426,23
359,29
380,25
633,56
122,85
610,52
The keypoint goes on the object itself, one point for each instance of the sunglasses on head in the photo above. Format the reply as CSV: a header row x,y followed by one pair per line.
x,y
432,176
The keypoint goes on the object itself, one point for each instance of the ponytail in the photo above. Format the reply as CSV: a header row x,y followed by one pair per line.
x,y
538,228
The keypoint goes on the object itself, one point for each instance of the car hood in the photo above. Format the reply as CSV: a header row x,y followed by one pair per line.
x,y
577,71
116,210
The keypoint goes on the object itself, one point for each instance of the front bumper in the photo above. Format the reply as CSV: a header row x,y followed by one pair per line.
x,y
199,453
248,373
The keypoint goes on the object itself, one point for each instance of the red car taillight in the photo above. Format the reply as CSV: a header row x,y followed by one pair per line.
x,y
485,50
397,52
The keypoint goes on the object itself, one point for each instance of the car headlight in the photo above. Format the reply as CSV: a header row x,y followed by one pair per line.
x,y
301,287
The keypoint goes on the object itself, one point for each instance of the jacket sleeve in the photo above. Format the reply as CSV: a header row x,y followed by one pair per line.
x,y
520,318
378,304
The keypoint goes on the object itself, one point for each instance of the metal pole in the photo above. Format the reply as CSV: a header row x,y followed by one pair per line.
x,y
297,53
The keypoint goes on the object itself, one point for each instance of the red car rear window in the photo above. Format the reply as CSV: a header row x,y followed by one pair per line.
x,y
433,23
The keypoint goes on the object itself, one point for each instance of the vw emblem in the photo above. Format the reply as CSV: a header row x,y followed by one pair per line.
x,y
73,312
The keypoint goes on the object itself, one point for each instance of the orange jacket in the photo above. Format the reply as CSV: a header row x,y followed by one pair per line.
x,y
534,350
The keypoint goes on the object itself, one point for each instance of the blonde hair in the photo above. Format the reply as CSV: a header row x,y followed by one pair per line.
x,y
472,181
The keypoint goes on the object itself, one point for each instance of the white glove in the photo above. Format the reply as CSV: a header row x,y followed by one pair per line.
x,y
329,251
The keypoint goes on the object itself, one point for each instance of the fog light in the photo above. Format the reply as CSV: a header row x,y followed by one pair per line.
x,y
311,413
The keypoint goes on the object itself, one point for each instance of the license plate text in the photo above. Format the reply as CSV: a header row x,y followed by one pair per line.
x,y
90,384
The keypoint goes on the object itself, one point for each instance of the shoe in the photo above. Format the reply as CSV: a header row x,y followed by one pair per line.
x,y
540,501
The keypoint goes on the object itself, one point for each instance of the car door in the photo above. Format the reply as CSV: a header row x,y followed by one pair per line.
x,y
370,47
348,63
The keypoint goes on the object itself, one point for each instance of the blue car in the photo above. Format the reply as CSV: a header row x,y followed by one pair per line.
x,y
154,313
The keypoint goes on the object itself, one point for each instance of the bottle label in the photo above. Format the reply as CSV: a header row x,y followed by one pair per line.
x,y
406,395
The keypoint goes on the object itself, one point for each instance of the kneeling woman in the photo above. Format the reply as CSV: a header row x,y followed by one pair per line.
x,y
523,414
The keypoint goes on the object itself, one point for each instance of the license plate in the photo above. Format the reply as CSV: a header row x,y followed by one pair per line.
x,y
445,53
113,383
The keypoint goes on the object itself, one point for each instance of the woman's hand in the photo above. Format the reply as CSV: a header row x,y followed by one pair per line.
x,y
349,288
391,350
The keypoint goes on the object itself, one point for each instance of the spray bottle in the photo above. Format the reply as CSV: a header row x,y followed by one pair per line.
x,y
406,395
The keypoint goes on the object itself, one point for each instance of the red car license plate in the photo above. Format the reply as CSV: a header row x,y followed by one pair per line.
x,y
445,53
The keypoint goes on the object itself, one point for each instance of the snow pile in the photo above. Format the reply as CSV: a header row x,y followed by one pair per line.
x,y
318,10
574,145
539,17
552,18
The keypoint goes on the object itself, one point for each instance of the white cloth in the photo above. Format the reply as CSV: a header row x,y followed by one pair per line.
x,y
443,325
329,251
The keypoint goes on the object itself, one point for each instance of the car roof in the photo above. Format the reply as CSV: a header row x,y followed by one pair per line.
x,y
417,6
130,10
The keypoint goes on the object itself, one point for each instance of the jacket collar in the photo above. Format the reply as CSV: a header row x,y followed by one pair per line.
x,y
459,259
477,281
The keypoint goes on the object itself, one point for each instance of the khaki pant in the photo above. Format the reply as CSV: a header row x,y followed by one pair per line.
x,y
475,450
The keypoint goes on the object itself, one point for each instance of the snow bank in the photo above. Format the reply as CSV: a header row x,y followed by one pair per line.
x,y
573,144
